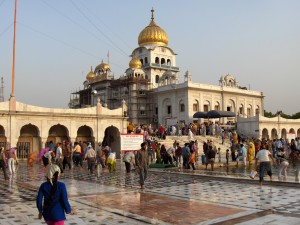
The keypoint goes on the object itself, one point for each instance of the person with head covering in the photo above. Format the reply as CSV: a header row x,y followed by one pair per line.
x,y
52,200
111,162
142,163
251,152
3,163
90,156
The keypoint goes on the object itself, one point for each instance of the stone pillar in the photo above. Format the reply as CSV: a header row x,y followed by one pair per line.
x,y
43,141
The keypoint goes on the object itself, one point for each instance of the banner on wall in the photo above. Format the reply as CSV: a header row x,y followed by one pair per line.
x,y
131,142
172,121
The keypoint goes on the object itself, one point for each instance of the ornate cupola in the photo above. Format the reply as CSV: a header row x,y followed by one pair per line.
x,y
153,34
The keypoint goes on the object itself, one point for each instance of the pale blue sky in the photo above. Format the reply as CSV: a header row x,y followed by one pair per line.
x,y
256,41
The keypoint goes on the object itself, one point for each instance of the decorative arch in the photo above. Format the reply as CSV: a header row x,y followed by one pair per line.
x,y
283,133
29,130
156,79
181,106
217,106
167,107
249,110
257,110
156,60
85,134
230,106
2,131
241,109
28,141
169,62
292,131
3,139
112,139
206,106
58,133
274,134
265,134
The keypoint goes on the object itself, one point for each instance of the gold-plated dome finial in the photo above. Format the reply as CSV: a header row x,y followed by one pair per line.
x,y
153,34
135,62
152,14
102,66
90,76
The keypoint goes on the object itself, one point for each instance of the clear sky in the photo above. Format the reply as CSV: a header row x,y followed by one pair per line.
x,y
256,41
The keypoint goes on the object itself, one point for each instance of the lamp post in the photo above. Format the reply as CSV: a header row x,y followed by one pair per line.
x,y
278,113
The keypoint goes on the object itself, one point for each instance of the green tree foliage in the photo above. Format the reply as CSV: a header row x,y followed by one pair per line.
x,y
282,114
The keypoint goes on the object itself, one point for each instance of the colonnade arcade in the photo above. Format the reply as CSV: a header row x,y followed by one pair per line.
x,y
30,139
273,133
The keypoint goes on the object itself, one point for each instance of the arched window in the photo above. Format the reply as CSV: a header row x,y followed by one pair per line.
x,y
142,61
157,79
156,60
206,106
195,106
146,60
169,62
162,61
181,106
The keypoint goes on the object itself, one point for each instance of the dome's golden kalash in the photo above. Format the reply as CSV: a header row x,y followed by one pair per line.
x,y
90,75
135,63
102,66
153,34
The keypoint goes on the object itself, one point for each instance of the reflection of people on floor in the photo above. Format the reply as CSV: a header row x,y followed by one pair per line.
x,y
31,159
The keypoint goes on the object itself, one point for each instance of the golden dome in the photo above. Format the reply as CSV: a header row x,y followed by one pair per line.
x,y
135,63
153,34
90,75
102,66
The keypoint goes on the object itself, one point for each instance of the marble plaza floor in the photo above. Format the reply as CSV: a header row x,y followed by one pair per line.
x,y
170,197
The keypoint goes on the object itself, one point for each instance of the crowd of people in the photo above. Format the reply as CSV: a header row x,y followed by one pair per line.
x,y
62,156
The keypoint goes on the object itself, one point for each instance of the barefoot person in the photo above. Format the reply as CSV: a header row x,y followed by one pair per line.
x,y
264,157
142,163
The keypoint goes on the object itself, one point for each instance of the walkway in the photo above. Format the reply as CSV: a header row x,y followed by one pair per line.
x,y
170,197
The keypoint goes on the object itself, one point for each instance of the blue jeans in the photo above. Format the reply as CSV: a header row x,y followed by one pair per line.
x,y
264,166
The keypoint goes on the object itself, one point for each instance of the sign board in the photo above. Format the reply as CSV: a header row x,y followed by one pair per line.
x,y
290,136
172,121
131,142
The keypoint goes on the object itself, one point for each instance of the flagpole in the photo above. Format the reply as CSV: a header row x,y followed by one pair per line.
x,y
108,57
14,53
